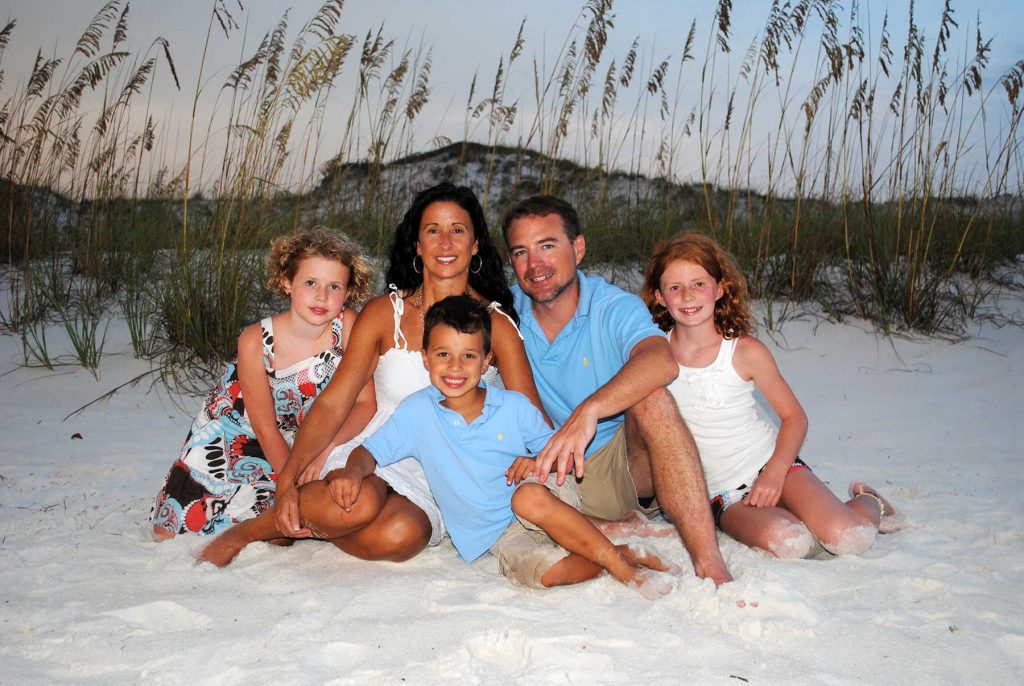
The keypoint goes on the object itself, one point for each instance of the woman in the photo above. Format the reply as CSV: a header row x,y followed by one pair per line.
x,y
441,248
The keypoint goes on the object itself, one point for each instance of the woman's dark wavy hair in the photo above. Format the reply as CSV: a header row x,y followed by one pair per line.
x,y
490,281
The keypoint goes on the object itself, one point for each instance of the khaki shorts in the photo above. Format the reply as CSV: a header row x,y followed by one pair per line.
x,y
525,553
607,486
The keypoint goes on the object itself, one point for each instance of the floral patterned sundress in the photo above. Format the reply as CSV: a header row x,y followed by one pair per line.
x,y
222,475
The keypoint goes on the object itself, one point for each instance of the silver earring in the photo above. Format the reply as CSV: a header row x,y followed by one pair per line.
x,y
479,266
414,258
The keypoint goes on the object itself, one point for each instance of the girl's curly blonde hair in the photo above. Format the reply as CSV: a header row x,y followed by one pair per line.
x,y
287,251
732,314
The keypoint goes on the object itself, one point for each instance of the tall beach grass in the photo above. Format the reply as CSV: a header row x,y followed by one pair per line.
x,y
885,185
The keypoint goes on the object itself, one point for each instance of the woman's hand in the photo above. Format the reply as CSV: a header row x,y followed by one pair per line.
x,y
286,513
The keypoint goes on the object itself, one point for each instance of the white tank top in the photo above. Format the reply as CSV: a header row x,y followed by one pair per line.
x,y
719,408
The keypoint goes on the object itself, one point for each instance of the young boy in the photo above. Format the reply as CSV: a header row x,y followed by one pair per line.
x,y
466,434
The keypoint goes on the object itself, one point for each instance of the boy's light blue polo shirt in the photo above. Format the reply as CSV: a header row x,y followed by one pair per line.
x,y
465,464
588,352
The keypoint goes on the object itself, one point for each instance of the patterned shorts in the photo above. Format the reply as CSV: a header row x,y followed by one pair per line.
x,y
722,500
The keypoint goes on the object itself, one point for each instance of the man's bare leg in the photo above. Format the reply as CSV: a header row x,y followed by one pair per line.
x,y
663,461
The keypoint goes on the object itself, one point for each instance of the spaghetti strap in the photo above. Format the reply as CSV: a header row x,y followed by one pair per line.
x,y
398,307
495,306
267,334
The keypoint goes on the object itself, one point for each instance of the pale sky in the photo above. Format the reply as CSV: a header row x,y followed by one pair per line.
x,y
464,35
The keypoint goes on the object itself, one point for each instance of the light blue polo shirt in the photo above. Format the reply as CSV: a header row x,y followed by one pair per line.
x,y
588,352
465,464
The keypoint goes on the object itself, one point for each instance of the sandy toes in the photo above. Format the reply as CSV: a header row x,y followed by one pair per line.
x,y
652,584
653,577
223,549
161,534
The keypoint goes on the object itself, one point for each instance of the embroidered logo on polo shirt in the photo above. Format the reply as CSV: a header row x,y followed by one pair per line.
x,y
586,362
501,437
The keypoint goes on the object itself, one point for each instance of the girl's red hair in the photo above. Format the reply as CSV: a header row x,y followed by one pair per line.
x,y
732,314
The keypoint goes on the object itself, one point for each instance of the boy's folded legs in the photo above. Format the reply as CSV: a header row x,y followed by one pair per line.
x,y
525,553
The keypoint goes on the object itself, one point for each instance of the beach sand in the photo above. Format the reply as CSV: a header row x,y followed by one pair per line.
x,y
938,427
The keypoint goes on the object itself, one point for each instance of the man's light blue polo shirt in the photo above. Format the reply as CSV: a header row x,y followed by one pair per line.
x,y
465,464
588,352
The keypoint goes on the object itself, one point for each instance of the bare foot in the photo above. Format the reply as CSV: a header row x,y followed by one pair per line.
x,y
223,549
633,524
889,517
647,557
644,571
651,583
161,534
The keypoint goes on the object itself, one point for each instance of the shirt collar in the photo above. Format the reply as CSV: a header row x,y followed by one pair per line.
x,y
490,398
586,295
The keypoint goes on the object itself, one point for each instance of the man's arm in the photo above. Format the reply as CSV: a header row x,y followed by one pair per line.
x,y
650,366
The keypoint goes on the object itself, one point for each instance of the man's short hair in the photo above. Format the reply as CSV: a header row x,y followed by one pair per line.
x,y
541,206
463,313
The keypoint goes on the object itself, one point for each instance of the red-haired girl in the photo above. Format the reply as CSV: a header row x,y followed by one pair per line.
x,y
762,493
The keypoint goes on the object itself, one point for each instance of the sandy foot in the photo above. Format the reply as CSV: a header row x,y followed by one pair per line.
x,y
161,534
653,578
890,520
652,584
223,549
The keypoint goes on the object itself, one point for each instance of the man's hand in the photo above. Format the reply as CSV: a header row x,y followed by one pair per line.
x,y
286,513
568,445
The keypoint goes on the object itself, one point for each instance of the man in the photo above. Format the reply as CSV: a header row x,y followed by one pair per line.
x,y
601,366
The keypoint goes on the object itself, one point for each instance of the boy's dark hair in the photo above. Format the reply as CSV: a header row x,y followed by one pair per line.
x,y
463,313
541,206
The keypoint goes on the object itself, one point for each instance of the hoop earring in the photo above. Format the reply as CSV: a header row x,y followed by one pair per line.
x,y
414,258
479,267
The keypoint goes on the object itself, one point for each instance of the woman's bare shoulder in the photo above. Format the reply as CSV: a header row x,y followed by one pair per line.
x,y
379,307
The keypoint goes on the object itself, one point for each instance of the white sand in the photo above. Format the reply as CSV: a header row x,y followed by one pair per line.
x,y
937,427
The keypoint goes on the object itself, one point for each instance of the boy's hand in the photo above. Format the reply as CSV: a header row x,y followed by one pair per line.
x,y
345,484
520,469
767,488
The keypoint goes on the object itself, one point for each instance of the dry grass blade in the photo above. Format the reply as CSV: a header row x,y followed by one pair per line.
x,y
166,47
121,30
42,72
89,43
723,15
